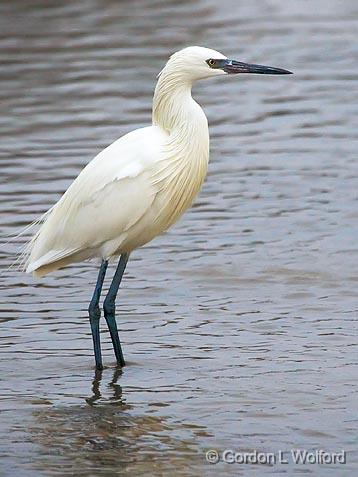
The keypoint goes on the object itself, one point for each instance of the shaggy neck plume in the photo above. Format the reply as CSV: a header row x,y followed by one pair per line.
x,y
176,112
187,146
172,101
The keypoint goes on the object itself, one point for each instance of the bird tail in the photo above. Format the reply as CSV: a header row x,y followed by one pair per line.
x,y
53,260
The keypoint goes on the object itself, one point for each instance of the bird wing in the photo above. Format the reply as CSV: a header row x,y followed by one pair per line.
x,y
110,195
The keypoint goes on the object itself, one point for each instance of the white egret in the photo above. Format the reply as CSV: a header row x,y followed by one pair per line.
x,y
137,187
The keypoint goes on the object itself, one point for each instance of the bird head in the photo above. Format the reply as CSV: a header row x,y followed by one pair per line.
x,y
196,62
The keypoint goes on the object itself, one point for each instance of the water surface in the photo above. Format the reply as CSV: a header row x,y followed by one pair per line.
x,y
239,324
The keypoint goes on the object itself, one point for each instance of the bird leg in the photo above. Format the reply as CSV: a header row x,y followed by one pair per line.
x,y
95,314
109,307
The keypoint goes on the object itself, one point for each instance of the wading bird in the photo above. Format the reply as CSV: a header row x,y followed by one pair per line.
x,y
137,187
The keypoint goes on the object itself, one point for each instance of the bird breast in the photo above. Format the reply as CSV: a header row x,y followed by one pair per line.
x,y
175,180
180,176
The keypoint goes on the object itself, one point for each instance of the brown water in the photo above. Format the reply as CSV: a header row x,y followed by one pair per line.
x,y
239,324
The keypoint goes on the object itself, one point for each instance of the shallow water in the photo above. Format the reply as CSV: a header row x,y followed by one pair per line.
x,y
239,324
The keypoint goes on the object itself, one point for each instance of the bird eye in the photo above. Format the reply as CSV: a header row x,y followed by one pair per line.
x,y
211,62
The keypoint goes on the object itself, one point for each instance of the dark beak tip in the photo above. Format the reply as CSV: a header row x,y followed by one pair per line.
x,y
277,71
234,66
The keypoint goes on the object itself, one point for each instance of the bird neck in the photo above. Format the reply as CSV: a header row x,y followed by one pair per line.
x,y
176,112
186,149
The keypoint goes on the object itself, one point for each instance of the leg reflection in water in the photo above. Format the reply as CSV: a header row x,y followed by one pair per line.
x,y
116,389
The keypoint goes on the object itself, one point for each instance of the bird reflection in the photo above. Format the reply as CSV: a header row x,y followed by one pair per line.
x,y
110,434
113,385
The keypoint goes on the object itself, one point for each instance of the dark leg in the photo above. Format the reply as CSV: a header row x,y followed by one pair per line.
x,y
95,314
109,306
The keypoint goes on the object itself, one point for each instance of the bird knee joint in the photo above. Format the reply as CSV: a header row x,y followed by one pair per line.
x,y
109,307
94,311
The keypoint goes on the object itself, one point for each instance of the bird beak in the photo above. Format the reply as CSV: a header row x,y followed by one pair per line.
x,y
235,67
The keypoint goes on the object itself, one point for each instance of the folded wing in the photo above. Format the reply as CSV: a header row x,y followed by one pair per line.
x,y
112,193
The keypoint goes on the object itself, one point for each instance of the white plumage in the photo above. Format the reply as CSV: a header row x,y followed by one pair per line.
x,y
138,186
